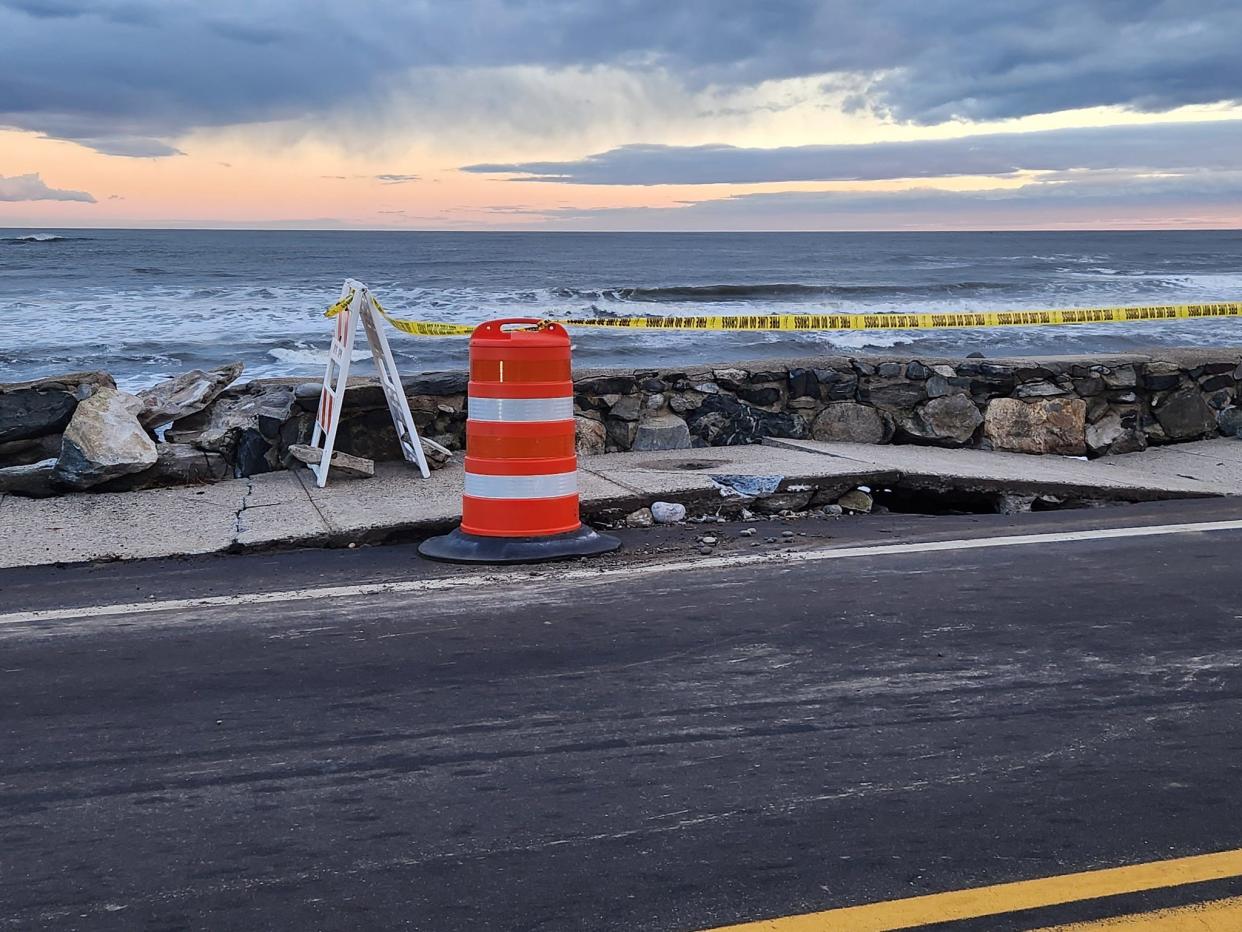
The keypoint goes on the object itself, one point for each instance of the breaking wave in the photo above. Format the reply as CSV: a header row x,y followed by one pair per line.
x,y
41,238
779,291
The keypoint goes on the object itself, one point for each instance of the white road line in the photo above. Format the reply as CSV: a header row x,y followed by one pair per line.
x,y
474,581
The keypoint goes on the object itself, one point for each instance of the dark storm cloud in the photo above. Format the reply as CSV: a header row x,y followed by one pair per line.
x,y
147,69
32,188
1151,147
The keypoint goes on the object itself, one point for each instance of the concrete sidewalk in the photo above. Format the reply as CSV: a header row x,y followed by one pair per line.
x,y
285,509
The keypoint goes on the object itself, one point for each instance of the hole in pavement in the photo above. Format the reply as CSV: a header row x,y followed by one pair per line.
x,y
684,465
958,502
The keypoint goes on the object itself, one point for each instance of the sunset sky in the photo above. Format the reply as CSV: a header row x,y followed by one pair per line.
x,y
631,114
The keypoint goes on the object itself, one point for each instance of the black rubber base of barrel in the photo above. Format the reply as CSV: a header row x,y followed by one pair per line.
x,y
457,547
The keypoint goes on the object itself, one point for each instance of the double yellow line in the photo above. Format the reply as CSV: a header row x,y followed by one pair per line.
x,y
913,912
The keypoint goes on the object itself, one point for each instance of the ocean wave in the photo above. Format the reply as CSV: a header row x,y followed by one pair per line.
x,y
774,291
306,354
42,238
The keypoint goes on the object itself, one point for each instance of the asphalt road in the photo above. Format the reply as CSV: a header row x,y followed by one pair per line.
x,y
621,745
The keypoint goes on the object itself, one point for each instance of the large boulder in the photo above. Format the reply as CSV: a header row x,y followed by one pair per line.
x,y
175,464
44,406
590,436
722,421
666,432
1184,415
850,422
33,480
895,392
245,427
184,395
1110,435
104,440
1049,425
1229,422
948,421
30,450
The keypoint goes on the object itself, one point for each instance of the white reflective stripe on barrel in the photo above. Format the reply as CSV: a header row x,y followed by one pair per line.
x,y
553,485
520,409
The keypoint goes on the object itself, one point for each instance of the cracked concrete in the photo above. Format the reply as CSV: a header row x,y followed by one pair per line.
x,y
286,509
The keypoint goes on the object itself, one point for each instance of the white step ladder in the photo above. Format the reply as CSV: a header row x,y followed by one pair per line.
x,y
336,378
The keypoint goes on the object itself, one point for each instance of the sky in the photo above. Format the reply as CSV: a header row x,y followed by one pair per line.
x,y
621,114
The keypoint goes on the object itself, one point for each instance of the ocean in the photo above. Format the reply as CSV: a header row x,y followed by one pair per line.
x,y
146,304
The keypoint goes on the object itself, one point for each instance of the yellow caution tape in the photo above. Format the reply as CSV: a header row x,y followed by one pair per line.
x,y
877,321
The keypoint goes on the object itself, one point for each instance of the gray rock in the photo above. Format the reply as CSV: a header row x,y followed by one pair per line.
x,y
104,440
803,383
590,437
1161,376
833,510
1040,388
850,422
1103,433
640,518
1215,383
948,421
626,408
1118,377
33,480
1184,415
176,464
620,434
916,370
306,394
184,395
779,502
31,450
899,392
857,501
668,432
837,386
722,420
764,396
342,463
245,427
1229,422
1008,503
600,385
1111,435
684,402
433,383
1052,425
667,512
44,406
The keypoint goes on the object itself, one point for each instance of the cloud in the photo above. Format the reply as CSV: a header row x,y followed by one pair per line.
x,y
1102,199
1162,146
395,179
124,76
31,188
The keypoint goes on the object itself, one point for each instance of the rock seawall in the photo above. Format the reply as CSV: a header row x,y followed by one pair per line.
x,y
1068,405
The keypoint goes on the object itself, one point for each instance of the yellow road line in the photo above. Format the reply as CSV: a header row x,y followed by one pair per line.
x,y
1006,897
1216,916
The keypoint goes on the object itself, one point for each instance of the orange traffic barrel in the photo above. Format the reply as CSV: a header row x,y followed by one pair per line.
x,y
520,503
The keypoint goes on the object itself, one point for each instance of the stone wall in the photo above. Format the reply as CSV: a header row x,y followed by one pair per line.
x,y
1077,406
1073,406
